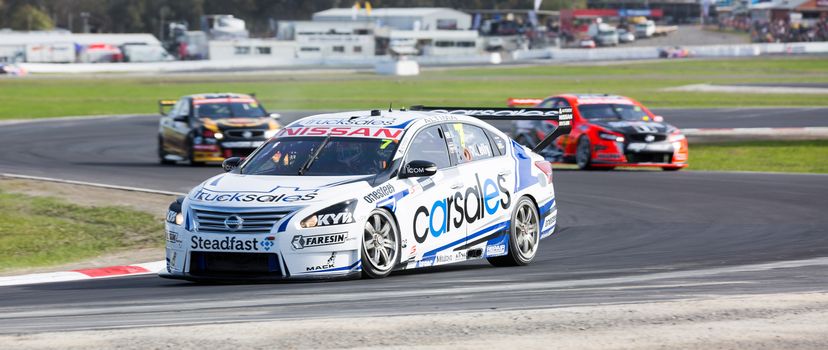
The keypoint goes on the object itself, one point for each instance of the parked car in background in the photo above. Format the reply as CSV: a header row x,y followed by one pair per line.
x,y
645,29
586,43
625,36
145,53
100,53
607,36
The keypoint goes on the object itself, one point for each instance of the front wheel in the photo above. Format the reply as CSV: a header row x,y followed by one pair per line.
x,y
583,153
524,236
380,245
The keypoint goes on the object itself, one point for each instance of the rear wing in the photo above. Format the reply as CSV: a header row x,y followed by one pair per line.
x,y
560,117
162,104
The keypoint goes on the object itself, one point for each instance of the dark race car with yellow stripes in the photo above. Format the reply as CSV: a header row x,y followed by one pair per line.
x,y
212,127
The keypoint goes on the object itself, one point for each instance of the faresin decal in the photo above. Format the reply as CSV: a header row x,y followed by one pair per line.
x,y
384,133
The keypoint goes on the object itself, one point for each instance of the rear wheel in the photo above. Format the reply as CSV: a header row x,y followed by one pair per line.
x,y
524,236
380,245
162,154
583,153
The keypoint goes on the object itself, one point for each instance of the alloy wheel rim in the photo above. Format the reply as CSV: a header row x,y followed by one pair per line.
x,y
526,231
380,242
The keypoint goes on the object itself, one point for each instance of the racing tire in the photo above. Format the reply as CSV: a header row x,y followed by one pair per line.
x,y
162,154
524,236
583,154
380,245
191,155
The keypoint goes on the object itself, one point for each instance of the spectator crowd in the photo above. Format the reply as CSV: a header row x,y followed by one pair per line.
x,y
779,31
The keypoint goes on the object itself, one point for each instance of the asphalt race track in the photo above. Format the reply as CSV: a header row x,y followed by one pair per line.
x,y
625,236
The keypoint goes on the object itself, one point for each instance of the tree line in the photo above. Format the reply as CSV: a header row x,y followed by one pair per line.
x,y
150,16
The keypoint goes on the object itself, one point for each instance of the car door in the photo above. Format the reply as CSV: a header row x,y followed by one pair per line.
x,y
179,127
429,211
486,171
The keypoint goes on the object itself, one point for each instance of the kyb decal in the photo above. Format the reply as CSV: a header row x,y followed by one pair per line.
x,y
301,242
465,206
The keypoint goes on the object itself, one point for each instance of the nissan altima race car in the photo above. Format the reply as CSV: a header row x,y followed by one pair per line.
x,y
368,192
212,127
607,131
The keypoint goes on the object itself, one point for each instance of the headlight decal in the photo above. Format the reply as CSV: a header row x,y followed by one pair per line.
x,y
337,214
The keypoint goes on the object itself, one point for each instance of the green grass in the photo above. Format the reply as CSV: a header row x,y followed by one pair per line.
x,y
41,231
773,156
48,96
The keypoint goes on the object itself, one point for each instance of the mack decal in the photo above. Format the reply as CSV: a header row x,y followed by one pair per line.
x,y
328,265
454,209
301,242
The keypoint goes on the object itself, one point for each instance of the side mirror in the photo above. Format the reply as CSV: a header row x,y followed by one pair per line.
x,y
231,163
418,168
181,118
275,115
658,118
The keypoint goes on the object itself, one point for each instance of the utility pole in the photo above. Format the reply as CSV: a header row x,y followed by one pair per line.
x,y
162,12
85,17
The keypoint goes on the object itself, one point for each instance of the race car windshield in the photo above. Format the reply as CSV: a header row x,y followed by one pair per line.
x,y
334,156
612,111
230,110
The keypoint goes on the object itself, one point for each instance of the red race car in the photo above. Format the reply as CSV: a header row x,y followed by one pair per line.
x,y
607,131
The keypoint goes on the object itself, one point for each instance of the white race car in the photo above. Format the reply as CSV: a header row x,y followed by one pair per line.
x,y
366,193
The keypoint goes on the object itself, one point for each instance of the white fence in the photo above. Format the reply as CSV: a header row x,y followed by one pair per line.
x,y
600,54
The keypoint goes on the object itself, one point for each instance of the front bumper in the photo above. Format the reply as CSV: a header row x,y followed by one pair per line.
x,y
272,256
671,154
220,151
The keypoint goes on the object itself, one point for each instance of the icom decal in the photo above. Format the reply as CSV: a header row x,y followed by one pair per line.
x,y
469,205
301,242
227,243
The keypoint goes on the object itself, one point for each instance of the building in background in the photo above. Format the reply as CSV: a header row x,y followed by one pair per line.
x,y
61,46
350,33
